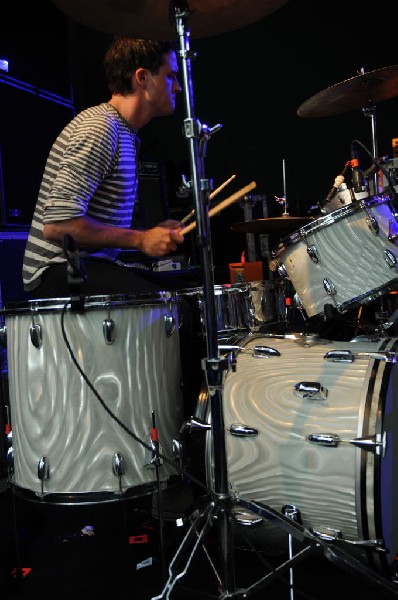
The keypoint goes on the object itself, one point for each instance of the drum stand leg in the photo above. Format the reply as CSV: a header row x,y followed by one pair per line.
x,y
157,462
221,502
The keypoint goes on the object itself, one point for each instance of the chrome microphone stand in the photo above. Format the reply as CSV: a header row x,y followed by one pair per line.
x,y
197,136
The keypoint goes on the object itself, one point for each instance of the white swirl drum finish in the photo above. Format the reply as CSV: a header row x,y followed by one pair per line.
x,y
345,259
66,447
344,487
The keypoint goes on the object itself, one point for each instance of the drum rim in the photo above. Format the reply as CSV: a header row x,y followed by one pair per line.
x,y
90,302
243,286
330,218
93,497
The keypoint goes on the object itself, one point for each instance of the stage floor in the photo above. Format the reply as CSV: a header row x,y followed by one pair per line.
x,y
79,552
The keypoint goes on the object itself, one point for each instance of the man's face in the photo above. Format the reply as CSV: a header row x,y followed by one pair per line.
x,y
162,88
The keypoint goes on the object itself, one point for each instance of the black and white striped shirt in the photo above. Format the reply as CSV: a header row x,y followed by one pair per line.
x,y
91,170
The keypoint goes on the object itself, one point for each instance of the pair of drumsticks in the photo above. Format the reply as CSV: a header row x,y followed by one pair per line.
x,y
216,209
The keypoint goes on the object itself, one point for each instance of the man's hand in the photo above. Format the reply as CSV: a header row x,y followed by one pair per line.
x,y
161,240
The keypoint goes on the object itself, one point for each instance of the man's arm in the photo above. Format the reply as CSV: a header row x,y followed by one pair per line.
x,y
89,233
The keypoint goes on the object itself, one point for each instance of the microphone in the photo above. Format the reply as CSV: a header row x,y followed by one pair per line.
x,y
357,178
337,182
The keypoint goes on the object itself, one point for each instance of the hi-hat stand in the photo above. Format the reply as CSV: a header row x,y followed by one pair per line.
x,y
218,506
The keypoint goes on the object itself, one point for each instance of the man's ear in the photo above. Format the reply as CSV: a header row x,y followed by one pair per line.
x,y
141,76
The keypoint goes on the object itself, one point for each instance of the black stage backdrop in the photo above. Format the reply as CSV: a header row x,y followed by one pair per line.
x,y
252,81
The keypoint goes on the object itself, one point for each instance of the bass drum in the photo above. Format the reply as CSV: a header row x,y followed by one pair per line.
x,y
85,388
313,424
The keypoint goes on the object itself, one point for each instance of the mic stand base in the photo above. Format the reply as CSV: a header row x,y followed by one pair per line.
x,y
203,519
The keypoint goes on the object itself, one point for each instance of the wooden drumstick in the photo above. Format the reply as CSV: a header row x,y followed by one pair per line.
x,y
213,193
221,187
223,205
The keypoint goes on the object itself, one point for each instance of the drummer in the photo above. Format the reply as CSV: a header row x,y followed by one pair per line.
x,y
90,184
90,181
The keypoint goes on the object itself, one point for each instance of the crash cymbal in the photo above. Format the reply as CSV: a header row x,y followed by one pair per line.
x,y
150,18
278,225
355,93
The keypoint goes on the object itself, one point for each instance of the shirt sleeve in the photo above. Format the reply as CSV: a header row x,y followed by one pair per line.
x,y
88,156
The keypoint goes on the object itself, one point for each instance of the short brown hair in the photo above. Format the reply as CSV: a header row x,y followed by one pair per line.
x,y
125,55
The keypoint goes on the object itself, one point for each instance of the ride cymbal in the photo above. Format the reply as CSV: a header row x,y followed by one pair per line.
x,y
358,92
154,19
278,225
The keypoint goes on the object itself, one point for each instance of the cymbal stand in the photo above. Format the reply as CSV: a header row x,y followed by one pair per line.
x,y
283,200
369,111
219,508
197,136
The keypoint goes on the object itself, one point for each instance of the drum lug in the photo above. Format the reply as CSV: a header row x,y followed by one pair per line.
x,y
43,472
240,430
265,352
324,439
329,287
118,465
170,324
109,330
372,443
348,356
312,390
390,258
35,329
36,335
312,253
340,356
118,469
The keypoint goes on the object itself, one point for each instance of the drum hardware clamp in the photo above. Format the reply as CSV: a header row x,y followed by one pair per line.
x,y
335,535
348,356
373,443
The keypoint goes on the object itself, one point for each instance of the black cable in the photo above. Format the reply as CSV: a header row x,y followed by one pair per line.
x,y
118,421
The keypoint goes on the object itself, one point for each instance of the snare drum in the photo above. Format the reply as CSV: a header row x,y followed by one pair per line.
x,y
344,259
268,302
232,306
84,390
316,430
